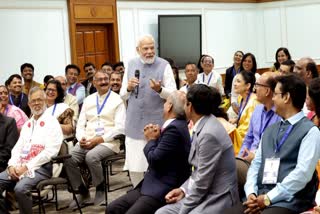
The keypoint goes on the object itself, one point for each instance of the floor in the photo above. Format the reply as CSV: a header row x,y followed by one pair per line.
x,y
117,180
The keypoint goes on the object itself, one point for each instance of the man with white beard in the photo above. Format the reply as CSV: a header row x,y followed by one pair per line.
x,y
147,82
30,157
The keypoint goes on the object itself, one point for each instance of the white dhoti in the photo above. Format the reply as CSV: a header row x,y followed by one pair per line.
x,y
135,159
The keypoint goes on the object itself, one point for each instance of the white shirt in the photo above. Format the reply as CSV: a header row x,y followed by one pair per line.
x,y
186,87
213,79
39,141
113,117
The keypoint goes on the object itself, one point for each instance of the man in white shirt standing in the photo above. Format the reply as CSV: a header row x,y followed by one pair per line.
x,y
101,119
147,82
40,139
209,76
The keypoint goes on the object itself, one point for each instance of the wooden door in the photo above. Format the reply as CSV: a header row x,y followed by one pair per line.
x,y
92,45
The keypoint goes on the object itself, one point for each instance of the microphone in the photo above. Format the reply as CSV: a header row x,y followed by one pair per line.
x,y
136,89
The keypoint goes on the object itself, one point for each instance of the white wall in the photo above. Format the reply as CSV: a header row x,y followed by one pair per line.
x,y
256,28
34,31
37,31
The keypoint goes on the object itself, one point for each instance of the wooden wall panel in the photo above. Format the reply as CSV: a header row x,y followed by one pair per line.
x,y
100,41
88,11
100,59
97,19
79,41
89,46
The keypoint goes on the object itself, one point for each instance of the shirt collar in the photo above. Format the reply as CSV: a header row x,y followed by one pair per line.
x,y
295,118
194,129
167,123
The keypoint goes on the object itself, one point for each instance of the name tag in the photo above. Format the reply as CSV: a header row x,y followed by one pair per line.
x,y
271,170
99,128
25,150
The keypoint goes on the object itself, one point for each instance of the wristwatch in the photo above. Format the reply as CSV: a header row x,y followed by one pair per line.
x,y
266,200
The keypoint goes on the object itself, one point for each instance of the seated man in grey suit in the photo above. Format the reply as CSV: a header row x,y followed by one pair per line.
x,y
212,186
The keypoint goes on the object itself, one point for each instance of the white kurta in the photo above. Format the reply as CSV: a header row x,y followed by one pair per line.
x,y
113,117
39,141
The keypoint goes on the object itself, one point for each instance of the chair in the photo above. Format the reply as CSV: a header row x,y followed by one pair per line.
x,y
44,186
107,166
242,169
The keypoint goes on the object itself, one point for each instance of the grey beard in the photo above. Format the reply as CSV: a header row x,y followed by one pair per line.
x,y
34,112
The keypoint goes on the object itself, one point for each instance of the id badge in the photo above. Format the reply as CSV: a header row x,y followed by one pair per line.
x,y
99,128
271,170
25,150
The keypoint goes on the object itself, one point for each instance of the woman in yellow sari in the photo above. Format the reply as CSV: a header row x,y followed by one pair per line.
x,y
244,86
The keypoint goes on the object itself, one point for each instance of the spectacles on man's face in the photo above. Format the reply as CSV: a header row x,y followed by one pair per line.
x,y
35,101
261,85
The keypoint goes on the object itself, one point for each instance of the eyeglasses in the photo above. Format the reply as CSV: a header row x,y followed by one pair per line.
x,y
51,90
102,79
36,101
261,85
275,93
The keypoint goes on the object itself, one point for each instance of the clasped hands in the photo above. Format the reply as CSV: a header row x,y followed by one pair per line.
x,y
151,132
254,204
16,171
154,84
90,143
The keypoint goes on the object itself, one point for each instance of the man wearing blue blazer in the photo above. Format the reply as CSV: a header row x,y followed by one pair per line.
x,y
212,186
167,154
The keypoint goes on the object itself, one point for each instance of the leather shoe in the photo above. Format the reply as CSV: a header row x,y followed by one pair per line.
x,y
83,199
99,198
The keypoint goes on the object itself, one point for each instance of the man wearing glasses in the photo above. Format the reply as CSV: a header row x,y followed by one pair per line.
x,y
30,157
101,119
282,177
263,116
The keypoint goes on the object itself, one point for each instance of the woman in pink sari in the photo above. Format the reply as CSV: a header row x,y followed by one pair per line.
x,y
11,110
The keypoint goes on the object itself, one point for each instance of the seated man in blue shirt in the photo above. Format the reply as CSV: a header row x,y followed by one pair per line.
x,y
282,178
263,116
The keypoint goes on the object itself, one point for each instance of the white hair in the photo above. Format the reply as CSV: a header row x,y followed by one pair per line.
x,y
141,38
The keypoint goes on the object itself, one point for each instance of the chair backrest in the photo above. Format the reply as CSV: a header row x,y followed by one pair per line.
x,y
242,169
122,139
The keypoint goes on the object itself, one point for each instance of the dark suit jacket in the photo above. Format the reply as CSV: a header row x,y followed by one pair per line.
x,y
8,137
168,160
228,81
92,88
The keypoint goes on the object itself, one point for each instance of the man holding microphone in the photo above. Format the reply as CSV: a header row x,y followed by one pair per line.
x,y
147,82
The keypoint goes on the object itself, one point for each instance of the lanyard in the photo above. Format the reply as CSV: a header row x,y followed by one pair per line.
x,y
284,138
262,128
99,109
208,79
6,111
12,103
54,109
242,108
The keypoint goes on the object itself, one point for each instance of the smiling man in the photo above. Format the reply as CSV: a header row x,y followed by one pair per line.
x,y
72,73
101,119
116,81
147,82
30,157
27,72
